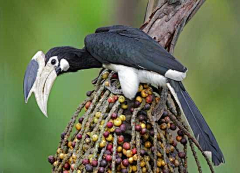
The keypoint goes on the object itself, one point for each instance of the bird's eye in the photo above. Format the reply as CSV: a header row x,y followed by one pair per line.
x,y
53,62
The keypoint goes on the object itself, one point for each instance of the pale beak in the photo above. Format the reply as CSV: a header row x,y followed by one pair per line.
x,y
39,79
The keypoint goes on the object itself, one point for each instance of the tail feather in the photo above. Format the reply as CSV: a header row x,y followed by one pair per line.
x,y
201,130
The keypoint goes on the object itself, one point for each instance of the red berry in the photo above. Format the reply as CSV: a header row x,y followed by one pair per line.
x,y
109,147
115,76
109,158
120,139
111,100
143,131
66,166
94,163
106,134
125,162
134,151
85,161
115,98
114,115
138,128
109,125
149,99
87,105
126,146
79,136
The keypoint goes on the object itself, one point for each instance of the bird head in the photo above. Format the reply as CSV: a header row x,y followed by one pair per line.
x,y
44,69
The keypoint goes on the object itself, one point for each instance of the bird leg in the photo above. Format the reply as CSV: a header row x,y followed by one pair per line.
x,y
158,110
113,88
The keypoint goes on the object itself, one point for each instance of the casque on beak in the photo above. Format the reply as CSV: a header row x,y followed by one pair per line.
x,y
39,79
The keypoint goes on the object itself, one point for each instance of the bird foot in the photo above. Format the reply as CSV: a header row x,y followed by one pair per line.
x,y
114,90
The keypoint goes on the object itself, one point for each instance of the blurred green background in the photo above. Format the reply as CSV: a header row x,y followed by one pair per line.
x,y
208,46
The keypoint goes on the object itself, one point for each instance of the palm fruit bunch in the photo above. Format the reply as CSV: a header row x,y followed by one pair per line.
x,y
120,135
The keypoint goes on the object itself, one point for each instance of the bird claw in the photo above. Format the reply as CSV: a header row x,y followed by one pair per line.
x,y
114,90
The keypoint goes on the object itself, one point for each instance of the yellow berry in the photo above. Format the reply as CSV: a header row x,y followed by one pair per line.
x,y
95,138
112,129
163,163
140,88
144,93
117,122
78,126
121,99
55,163
134,168
103,143
142,163
143,125
98,114
109,138
102,122
122,117
147,158
61,156
74,156
129,153
147,144
130,159
95,120
106,83
105,75
144,169
135,157
124,106
159,162
59,150
119,149
139,99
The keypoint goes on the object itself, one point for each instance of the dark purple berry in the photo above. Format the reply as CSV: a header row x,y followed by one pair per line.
x,y
103,163
147,107
180,132
181,154
118,131
89,93
63,135
141,117
80,120
124,171
118,161
123,127
51,159
183,141
89,168
173,126
101,170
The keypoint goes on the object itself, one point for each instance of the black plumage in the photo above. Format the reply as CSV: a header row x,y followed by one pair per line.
x,y
130,47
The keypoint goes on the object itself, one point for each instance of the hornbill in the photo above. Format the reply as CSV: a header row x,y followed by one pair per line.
x,y
136,57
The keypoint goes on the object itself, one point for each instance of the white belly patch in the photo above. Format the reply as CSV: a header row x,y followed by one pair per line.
x,y
130,78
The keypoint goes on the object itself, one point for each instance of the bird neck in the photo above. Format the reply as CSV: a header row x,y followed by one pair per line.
x,y
86,60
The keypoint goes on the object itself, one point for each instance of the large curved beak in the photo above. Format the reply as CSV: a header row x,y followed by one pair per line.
x,y
39,79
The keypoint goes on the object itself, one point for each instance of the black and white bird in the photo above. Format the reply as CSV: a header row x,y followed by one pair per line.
x,y
136,57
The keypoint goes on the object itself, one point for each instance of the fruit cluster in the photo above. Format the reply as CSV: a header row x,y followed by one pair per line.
x,y
119,135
